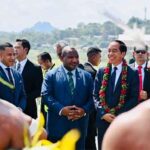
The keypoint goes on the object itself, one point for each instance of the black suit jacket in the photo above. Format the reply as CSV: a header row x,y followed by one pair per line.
x,y
89,68
32,77
146,83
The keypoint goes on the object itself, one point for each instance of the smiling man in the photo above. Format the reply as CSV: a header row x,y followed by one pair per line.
x,y
15,95
115,88
67,91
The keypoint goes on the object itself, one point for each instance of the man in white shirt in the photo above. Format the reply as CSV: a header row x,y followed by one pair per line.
x,y
11,83
141,65
115,88
31,73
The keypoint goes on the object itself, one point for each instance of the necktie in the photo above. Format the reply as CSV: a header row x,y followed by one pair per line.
x,y
140,78
18,67
71,83
113,78
9,75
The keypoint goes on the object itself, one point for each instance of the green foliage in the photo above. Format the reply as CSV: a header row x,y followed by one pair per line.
x,y
83,35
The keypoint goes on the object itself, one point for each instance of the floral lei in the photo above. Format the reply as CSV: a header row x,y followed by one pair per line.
x,y
102,92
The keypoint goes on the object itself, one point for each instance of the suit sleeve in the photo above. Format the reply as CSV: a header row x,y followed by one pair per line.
x,y
38,83
89,106
132,92
47,94
97,85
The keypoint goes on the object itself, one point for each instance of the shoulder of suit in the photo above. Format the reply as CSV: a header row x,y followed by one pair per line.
x,y
54,70
33,64
131,68
79,70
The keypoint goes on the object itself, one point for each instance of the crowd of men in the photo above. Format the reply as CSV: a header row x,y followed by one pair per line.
x,y
73,95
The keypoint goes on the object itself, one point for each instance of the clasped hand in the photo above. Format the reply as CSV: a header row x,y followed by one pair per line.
x,y
73,112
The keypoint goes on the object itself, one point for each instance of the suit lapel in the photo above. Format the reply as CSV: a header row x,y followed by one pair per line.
x,y
78,82
3,75
63,76
145,78
25,67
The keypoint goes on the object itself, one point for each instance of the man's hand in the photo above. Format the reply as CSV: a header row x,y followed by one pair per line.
x,y
78,113
143,94
108,117
67,111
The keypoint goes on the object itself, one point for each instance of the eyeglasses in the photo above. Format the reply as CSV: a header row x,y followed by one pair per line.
x,y
140,51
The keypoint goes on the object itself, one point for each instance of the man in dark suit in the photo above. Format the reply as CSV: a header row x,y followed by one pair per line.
x,y
115,88
141,65
11,82
32,75
94,59
67,91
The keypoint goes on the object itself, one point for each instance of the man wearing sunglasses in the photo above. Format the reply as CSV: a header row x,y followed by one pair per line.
x,y
141,65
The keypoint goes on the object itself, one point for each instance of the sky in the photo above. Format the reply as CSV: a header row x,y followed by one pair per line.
x,y
16,15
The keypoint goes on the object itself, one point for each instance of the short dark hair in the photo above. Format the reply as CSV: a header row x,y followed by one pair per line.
x,y
3,46
25,43
93,50
67,49
123,47
45,56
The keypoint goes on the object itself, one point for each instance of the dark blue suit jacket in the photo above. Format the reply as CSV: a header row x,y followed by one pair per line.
x,y
56,94
15,96
146,84
131,99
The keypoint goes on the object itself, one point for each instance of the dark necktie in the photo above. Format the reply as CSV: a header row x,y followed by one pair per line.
x,y
140,79
18,67
113,79
71,83
9,75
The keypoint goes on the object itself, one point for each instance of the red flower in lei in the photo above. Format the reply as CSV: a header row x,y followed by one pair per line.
x,y
102,92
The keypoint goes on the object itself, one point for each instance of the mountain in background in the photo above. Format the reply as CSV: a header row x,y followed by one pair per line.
x,y
44,27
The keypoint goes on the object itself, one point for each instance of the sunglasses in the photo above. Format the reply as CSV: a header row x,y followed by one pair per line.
x,y
142,52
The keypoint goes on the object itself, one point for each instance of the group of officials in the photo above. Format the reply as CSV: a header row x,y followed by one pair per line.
x,y
76,95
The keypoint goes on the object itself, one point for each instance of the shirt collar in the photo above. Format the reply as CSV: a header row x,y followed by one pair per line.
x,y
66,71
143,66
119,67
90,64
23,62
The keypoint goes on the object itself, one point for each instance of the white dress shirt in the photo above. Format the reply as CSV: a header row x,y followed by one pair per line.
x,y
22,64
118,72
73,75
6,72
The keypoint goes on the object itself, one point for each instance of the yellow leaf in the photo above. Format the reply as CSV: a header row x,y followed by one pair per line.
x,y
69,140
39,129
26,136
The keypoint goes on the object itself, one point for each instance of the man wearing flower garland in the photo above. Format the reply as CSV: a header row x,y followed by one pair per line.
x,y
115,88
141,65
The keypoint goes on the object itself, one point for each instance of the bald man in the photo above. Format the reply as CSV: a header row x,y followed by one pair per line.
x,y
130,131
12,123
